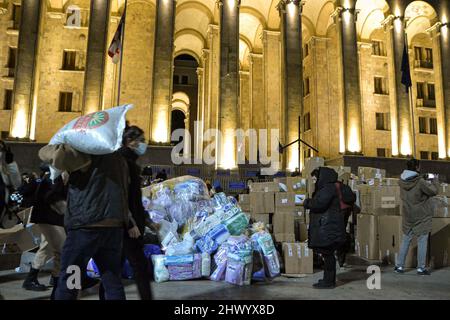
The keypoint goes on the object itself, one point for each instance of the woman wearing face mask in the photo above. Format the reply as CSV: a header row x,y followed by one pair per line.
x,y
133,146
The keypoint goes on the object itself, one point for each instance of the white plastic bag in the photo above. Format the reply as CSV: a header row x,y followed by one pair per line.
x,y
96,133
160,271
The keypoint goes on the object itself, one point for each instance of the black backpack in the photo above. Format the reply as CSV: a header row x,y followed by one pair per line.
x,y
348,196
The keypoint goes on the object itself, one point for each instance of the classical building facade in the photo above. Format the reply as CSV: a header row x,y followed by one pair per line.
x,y
330,70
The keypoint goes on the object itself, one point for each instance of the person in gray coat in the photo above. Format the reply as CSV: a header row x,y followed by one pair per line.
x,y
416,192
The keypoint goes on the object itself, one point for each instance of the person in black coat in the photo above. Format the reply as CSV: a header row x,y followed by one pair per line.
x,y
133,146
326,229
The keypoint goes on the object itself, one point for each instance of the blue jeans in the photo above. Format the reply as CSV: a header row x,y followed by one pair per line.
x,y
104,245
422,244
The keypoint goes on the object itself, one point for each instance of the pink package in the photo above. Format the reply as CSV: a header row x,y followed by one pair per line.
x,y
197,266
235,272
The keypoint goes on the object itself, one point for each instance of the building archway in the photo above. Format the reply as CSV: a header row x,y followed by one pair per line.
x,y
185,98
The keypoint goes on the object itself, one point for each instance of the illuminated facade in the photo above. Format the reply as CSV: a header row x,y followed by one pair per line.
x,y
262,64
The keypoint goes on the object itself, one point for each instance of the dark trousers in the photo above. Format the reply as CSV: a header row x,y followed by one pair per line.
x,y
104,245
133,250
329,264
342,250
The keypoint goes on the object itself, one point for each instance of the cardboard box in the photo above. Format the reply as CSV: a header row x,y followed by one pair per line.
x,y
440,243
366,244
282,180
441,207
284,199
289,199
298,258
264,187
284,237
296,184
245,207
301,231
262,202
379,200
366,173
283,221
311,164
444,190
244,199
390,239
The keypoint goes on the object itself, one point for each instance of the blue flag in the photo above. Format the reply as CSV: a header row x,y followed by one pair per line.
x,y
406,70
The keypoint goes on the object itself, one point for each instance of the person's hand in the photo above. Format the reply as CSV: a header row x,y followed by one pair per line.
x,y
134,233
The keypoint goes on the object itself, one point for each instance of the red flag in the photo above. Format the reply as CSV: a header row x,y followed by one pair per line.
x,y
115,48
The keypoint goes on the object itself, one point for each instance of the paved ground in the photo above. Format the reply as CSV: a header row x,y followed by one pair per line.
x,y
351,285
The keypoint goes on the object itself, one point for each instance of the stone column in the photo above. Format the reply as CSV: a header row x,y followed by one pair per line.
x,y
96,55
440,33
162,71
440,88
229,82
258,110
245,114
291,30
272,79
187,142
401,118
345,19
198,127
25,72
212,109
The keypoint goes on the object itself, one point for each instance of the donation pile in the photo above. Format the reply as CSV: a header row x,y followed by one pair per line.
x,y
193,227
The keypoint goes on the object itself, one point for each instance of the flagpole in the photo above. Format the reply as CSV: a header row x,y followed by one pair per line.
x,y
121,51
411,101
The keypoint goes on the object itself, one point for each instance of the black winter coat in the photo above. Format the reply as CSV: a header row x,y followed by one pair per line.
x,y
99,194
326,228
47,193
134,191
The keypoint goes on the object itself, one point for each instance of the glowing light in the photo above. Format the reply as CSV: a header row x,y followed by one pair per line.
x,y
354,144
291,8
160,131
347,16
341,138
19,128
227,159
293,157
394,141
405,144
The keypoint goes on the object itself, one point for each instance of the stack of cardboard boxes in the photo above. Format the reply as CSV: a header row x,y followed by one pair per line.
x,y
379,226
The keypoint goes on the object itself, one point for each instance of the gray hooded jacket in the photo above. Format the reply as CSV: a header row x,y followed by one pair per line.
x,y
416,194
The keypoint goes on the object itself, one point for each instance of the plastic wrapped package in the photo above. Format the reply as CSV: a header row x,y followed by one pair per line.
x,y
220,200
160,272
209,223
127,270
273,264
262,241
197,266
181,248
179,260
219,272
237,224
168,233
206,265
180,272
206,244
232,200
219,234
235,272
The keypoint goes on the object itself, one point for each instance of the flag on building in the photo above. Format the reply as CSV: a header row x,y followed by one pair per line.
x,y
406,70
115,48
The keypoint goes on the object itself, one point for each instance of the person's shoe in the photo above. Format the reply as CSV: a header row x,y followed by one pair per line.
x,y
31,282
317,283
324,285
399,270
423,272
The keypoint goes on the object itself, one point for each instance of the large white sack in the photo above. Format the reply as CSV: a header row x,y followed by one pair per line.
x,y
96,133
